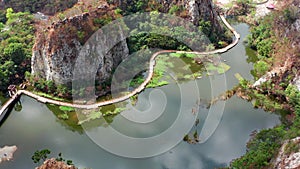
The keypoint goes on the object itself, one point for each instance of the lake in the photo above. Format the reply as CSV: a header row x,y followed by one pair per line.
x,y
35,127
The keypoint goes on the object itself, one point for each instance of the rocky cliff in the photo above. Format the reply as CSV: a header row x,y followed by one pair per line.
x,y
57,47
195,10
289,155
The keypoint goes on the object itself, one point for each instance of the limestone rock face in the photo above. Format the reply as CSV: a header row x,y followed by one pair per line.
x,y
203,9
290,160
56,66
56,49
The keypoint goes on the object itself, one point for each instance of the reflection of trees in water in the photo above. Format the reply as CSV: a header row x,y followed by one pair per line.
x,y
71,123
72,120
201,105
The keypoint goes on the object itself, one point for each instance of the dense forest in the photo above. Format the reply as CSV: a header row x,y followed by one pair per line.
x,y
17,38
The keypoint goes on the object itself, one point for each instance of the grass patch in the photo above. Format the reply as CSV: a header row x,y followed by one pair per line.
x,y
105,111
68,119
159,72
50,96
184,67
179,55
157,83
220,68
66,108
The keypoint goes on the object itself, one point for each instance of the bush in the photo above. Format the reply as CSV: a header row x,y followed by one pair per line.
x,y
174,9
293,96
40,155
103,20
118,11
15,47
135,6
264,48
261,38
66,108
261,149
260,68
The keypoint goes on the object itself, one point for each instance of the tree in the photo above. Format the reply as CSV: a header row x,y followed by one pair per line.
x,y
40,155
6,71
15,47
260,68
9,13
15,52
293,95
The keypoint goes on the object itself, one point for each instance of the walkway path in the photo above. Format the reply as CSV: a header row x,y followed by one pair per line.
x,y
134,92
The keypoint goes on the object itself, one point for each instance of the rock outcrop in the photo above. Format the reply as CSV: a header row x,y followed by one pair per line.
x,y
287,159
54,164
56,49
7,152
204,10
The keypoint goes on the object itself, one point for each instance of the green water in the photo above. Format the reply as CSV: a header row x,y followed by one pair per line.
x,y
37,127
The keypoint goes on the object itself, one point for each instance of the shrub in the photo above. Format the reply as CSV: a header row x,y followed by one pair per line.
x,y
260,68
261,149
174,9
15,47
118,11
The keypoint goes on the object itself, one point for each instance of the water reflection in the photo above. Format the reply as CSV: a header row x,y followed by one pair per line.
x,y
37,127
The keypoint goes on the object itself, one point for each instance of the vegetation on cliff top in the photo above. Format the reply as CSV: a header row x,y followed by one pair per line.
x,y
33,6
15,47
